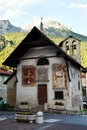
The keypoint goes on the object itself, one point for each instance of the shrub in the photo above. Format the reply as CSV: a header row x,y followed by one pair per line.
x,y
59,103
23,103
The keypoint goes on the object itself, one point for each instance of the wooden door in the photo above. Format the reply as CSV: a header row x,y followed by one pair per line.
x,y
42,94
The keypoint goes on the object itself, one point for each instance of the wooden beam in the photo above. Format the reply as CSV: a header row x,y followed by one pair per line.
x,y
38,57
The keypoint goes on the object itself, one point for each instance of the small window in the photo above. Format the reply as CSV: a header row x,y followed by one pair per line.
x,y
74,46
43,61
67,48
74,50
58,94
78,85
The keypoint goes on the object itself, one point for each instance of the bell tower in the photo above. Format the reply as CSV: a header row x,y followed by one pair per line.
x,y
71,46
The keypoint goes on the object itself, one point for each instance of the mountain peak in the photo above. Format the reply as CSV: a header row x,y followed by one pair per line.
x,y
7,27
4,22
54,24
47,23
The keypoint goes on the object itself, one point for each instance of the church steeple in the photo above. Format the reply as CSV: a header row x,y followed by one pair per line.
x,y
41,25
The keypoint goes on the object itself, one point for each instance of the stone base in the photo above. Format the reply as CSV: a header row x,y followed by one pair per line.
x,y
25,118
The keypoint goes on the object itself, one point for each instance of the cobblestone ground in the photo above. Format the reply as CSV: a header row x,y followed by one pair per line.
x,y
52,121
11,124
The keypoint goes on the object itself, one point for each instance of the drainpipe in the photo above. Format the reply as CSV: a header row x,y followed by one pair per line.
x,y
70,95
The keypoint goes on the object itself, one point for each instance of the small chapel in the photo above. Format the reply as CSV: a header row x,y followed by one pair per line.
x,y
48,74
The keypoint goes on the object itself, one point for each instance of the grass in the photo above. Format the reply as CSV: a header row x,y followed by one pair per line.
x,y
85,110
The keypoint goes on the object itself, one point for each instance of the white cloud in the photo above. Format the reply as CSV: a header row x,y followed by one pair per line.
x,y
58,3
14,8
11,14
30,2
15,3
79,5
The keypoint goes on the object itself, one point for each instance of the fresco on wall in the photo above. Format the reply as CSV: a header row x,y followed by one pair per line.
x,y
42,74
28,75
65,77
59,74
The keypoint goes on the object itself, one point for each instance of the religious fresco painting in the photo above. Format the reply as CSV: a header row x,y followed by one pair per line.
x,y
65,77
42,74
59,74
28,75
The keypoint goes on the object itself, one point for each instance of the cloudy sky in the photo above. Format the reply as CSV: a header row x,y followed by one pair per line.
x,y
72,13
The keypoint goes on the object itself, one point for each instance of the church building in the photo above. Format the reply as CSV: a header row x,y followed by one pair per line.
x,y
46,75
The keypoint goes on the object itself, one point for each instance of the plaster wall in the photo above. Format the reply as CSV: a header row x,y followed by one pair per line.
x,y
29,93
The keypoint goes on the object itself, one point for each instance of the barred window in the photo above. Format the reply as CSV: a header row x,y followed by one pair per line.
x,y
59,95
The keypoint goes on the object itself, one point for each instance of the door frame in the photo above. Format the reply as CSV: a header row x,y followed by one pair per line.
x,y
42,94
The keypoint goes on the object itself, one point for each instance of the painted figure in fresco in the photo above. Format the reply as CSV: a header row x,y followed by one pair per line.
x,y
28,75
59,76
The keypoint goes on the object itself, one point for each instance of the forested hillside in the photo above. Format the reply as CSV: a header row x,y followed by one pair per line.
x,y
16,38
83,49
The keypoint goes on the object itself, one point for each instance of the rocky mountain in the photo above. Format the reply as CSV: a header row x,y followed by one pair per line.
x,y
7,27
54,28
50,27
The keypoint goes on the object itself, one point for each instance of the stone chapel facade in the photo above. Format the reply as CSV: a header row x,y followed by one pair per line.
x,y
46,74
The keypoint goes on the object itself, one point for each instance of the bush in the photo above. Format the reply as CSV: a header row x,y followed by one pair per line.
x,y
23,103
59,103
6,107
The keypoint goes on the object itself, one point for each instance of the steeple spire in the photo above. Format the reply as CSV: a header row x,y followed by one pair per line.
x,y
41,24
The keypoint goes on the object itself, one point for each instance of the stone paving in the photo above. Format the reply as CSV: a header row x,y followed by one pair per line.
x,y
52,121
11,124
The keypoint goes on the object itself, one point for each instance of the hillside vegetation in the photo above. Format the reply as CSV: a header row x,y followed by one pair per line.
x,y
17,37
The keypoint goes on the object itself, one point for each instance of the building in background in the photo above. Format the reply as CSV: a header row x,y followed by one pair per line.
x,y
84,81
11,89
4,74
